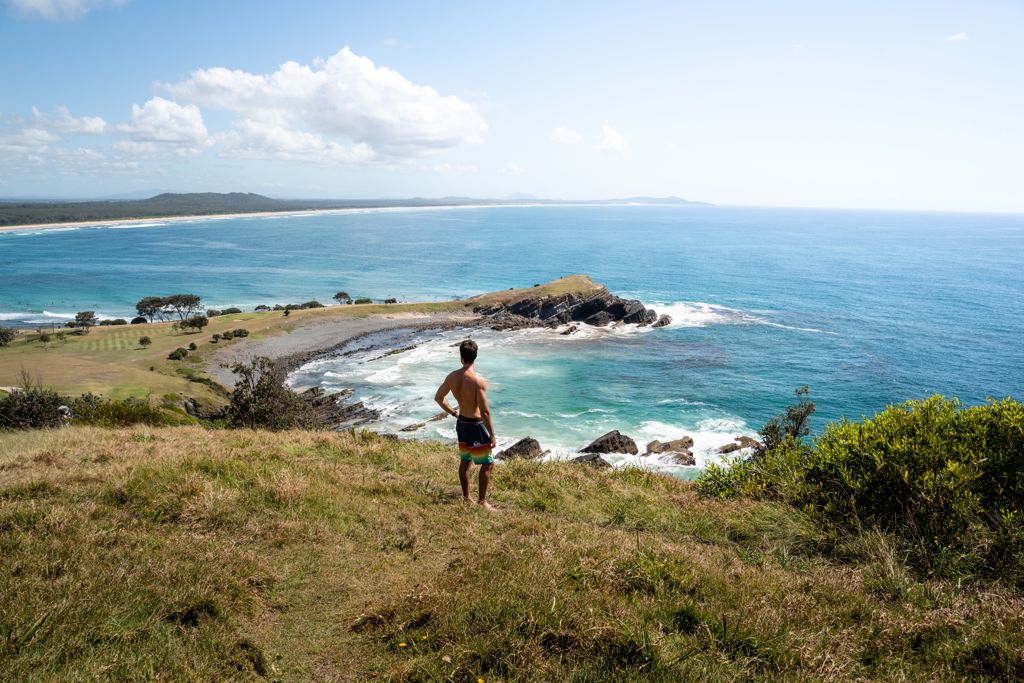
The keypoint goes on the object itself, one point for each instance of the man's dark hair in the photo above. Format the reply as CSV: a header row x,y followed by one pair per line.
x,y
467,350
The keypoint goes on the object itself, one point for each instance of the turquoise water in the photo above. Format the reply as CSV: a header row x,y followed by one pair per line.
x,y
868,308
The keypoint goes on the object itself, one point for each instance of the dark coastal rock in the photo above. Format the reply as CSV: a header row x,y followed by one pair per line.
x,y
413,427
612,442
527,449
684,458
440,416
675,446
600,319
662,321
740,443
572,329
331,411
599,307
592,459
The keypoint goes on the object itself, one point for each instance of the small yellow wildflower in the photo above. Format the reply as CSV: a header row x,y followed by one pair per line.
x,y
423,637
402,645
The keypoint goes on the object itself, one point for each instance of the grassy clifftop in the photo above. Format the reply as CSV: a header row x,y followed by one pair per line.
x,y
184,554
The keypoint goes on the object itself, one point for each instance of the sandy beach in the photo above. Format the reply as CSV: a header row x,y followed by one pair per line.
x,y
170,219
320,336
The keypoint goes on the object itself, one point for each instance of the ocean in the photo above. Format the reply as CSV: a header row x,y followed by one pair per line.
x,y
867,308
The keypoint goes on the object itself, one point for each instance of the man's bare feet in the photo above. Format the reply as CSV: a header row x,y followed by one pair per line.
x,y
467,500
486,506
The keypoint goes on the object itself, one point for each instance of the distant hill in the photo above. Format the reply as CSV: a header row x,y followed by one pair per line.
x,y
26,212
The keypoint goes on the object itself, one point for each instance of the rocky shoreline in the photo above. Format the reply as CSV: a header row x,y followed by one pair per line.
x,y
599,309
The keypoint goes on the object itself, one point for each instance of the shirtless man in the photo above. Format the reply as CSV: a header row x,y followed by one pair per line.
x,y
473,420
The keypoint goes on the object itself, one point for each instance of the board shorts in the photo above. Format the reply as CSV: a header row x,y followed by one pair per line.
x,y
474,441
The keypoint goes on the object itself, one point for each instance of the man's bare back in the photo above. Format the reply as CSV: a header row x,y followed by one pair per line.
x,y
473,425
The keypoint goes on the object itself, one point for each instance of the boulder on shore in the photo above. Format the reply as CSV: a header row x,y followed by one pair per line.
x,y
675,446
527,449
662,321
740,443
612,442
684,458
592,459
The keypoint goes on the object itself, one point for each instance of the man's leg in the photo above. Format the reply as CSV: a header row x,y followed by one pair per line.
x,y
464,478
485,479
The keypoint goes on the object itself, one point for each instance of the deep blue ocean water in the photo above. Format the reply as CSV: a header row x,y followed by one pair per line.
x,y
868,308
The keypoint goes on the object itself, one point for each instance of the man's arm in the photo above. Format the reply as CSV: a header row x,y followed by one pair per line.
x,y
485,411
441,398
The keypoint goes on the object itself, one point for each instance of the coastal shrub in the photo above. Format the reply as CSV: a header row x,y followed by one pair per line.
x,y
7,335
215,338
261,400
89,409
391,301
343,298
30,406
278,307
227,335
213,313
240,332
145,341
364,300
231,311
139,320
196,322
177,354
311,304
192,346
945,481
44,337
262,307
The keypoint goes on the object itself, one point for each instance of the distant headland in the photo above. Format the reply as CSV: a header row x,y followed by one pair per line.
x,y
20,213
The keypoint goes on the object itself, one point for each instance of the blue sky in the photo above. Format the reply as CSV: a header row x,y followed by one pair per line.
x,y
905,105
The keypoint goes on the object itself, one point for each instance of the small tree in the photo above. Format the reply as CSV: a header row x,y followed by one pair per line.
x,y
7,335
84,320
343,298
152,308
145,341
262,401
196,322
185,305
790,425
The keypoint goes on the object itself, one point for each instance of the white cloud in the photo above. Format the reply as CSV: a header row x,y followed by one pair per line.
x,y
63,122
162,124
260,140
957,38
514,169
344,108
58,10
567,136
611,140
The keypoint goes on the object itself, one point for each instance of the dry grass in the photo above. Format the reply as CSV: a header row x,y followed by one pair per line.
x,y
184,554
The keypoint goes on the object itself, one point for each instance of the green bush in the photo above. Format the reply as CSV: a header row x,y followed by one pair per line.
x,y
228,335
7,335
90,409
262,401
241,332
30,406
364,300
177,354
946,481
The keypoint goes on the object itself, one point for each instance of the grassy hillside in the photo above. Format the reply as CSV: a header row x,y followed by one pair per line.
x,y
184,554
109,360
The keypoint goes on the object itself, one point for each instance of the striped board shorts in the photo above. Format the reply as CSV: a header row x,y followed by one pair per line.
x,y
474,441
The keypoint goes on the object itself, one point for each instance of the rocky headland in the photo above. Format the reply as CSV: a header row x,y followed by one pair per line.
x,y
599,308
